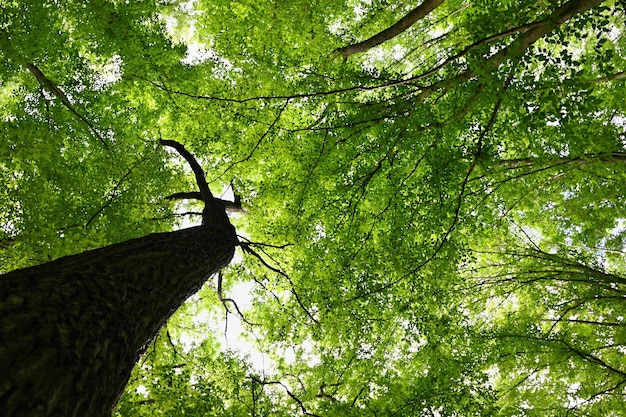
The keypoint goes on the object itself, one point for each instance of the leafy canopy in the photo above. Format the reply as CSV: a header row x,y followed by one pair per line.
x,y
441,216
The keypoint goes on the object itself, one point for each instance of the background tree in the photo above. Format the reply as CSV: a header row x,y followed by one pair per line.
x,y
442,212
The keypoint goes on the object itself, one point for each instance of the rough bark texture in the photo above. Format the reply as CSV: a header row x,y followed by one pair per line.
x,y
71,330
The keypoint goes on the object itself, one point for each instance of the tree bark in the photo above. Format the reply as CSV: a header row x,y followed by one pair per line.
x,y
71,330
392,31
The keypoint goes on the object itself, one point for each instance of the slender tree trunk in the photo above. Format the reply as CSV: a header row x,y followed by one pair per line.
x,y
71,330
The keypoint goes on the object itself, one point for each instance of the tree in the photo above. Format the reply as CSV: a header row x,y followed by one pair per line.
x,y
73,329
441,211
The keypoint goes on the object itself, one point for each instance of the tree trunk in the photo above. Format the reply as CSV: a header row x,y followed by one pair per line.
x,y
71,330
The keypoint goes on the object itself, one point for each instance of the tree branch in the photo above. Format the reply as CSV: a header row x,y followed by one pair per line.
x,y
52,88
300,403
246,248
190,195
248,242
214,212
112,197
583,160
457,210
258,143
224,300
391,32
205,192
534,32
230,206
618,76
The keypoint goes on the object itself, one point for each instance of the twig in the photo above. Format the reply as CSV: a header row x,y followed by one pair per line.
x,y
224,300
289,393
258,143
113,195
246,248
52,88
267,245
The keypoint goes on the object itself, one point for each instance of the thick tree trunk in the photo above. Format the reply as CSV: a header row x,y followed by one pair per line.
x,y
71,330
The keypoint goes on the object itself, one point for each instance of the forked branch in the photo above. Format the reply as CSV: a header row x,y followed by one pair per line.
x,y
205,192
247,249
224,300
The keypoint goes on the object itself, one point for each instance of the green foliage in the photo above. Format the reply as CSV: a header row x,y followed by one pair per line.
x,y
441,218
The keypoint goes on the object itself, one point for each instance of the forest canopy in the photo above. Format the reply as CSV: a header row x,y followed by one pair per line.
x,y
433,194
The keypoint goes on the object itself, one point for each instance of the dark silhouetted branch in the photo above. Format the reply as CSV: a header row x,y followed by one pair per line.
x,y
205,192
191,195
224,300
246,248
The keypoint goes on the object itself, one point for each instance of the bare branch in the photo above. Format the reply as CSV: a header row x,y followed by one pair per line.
x,y
205,192
224,300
